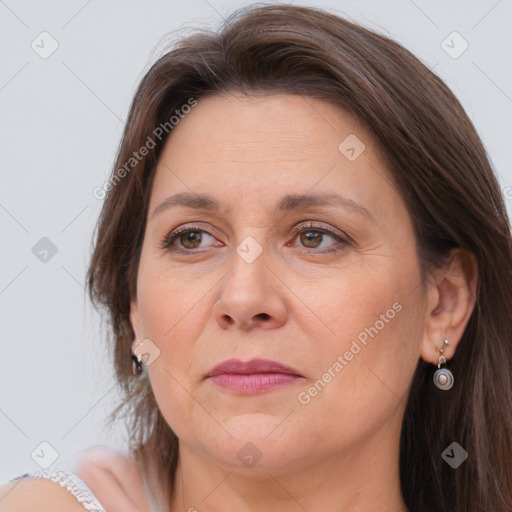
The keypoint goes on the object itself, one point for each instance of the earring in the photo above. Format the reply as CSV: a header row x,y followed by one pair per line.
x,y
443,378
136,365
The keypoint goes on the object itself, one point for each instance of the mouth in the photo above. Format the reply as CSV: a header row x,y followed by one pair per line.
x,y
252,377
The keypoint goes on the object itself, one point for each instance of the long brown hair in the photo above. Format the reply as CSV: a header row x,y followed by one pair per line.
x,y
441,170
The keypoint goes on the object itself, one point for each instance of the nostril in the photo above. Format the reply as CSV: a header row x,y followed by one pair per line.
x,y
229,320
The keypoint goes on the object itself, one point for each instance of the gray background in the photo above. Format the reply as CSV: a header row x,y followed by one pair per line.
x,y
61,120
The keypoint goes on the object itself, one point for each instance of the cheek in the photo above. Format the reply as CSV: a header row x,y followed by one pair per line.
x,y
172,316
351,300
169,304
369,347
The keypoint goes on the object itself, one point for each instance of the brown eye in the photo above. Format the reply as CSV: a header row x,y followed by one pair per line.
x,y
190,239
185,239
311,239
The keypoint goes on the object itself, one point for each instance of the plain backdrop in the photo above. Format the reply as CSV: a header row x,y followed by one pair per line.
x,y
61,121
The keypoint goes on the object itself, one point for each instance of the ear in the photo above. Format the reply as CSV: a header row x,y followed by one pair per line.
x,y
451,296
135,319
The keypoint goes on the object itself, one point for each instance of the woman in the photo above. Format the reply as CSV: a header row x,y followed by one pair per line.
x,y
306,262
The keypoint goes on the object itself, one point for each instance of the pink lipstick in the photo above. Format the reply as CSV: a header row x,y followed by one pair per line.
x,y
252,377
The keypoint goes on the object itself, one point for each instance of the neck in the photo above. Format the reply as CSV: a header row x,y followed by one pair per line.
x,y
363,478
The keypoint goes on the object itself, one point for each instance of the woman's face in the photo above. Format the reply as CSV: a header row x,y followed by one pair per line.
x,y
258,276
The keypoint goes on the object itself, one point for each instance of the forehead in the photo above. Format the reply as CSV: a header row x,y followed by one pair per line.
x,y
260,146
292,125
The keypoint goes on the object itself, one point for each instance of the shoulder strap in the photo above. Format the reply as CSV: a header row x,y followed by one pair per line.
x,y
73,483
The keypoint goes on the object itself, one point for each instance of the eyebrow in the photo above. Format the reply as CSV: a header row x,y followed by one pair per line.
x,y
288,203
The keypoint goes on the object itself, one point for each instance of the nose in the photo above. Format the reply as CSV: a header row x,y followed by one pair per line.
x,y
250,296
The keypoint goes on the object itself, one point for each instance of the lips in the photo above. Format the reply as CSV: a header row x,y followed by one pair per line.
x,y
256,376
254,366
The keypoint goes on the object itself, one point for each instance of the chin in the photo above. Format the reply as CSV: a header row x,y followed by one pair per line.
x,y
260,443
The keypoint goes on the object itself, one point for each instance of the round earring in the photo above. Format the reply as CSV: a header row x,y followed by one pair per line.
x,y
136,365
443,378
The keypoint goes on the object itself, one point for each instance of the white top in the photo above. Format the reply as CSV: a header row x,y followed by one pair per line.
x,y
73,483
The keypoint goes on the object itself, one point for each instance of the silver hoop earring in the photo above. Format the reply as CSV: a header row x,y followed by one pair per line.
x,y
443,378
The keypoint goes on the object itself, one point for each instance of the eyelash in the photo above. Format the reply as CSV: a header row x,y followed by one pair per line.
x,y
169,239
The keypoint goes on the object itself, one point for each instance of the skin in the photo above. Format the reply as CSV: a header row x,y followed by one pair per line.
x,y
295,303
340,450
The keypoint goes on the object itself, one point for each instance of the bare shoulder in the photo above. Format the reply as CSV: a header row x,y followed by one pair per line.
x,y
32,494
